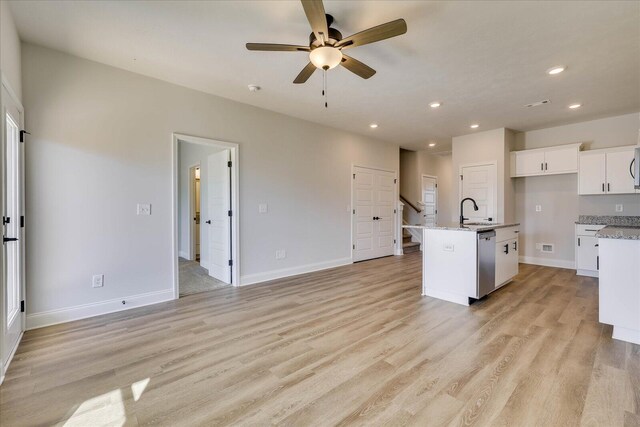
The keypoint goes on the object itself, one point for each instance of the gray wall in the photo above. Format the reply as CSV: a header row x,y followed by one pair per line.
x,y
558,194
101,143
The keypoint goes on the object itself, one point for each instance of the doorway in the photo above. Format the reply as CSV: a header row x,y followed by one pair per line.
x,y
429,200
12,168
205,214
373,217
479,181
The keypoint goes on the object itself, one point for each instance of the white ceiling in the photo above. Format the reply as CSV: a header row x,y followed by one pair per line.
x,y
482,59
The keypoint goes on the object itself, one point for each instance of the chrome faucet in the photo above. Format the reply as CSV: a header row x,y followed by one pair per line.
x,y
475,208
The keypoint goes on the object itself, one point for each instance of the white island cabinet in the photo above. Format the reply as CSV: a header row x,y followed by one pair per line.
x,y
619,288
464,263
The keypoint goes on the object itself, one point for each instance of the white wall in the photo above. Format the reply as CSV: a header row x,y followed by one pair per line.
x,y
190,154
101,142
488,146
558,195
10,50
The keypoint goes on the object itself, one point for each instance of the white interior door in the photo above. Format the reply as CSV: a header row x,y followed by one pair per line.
x,y
13,237
480,183
429,200
218,221
374,216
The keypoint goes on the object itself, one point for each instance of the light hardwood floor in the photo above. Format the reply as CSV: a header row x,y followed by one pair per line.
x,y
356,345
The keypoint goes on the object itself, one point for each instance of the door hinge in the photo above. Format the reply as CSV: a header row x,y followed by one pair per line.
x,y
229,163
354,176
394,241
436,185
578,241
461,178
436,211
354,246
394,211
230,262
230,213
21,221
6,220
22,306
354,211
22,134
395,181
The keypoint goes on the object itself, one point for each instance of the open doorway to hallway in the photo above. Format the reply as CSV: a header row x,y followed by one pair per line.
x,y
206,228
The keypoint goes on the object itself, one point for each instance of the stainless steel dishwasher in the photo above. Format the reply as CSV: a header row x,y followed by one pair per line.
x,y
486,263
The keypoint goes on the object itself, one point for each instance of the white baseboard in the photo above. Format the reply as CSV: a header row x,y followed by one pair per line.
x,y
251,279
587,273
53,317
548,262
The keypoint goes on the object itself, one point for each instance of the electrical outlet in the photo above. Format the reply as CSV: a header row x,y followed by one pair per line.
x,y
144,209
262,208
538,208
281,254
97,281
619,208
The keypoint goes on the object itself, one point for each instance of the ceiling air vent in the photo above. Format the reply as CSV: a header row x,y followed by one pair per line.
x,y
539,103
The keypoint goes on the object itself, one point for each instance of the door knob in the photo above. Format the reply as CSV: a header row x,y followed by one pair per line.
x,y
208,221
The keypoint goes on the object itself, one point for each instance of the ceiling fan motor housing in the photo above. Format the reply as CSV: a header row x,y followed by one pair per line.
x,y
334,37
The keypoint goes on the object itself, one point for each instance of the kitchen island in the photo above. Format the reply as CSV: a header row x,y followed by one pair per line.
x,y
619,253
463,263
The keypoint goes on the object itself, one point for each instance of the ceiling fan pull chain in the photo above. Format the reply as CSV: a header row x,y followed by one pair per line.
x,y
324,87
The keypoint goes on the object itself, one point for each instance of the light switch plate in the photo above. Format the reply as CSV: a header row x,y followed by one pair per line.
x,y
262,208
619,208
144,209
97,281
281,254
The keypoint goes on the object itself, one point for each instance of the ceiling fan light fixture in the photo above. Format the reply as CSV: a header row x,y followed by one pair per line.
x,y
325,57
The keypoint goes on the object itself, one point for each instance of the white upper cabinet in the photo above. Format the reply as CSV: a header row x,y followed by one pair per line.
x,y
592,176
545,161
606,171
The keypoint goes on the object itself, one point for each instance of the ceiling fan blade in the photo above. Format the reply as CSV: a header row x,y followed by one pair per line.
x,y
305,73
357,67
314,9
374,34
277,47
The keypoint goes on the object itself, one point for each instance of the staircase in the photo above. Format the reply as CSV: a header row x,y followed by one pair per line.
x,y
407,245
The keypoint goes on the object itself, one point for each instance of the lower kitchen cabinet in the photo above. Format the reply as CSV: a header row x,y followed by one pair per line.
x,y
507,257
587,258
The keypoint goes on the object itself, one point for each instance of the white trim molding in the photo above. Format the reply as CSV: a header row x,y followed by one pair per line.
x,y
252,279
53,317
548,262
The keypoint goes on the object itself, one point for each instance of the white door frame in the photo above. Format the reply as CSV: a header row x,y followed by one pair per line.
x,y
435,178
235,203
3,286
495,190
395,204
191,242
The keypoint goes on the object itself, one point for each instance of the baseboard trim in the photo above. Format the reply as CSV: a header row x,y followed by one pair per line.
x,y
547,262
252,279
54,317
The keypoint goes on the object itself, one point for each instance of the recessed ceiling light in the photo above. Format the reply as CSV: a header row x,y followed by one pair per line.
x,y
434,105
574,106
474,126
373,125
433,144
556,70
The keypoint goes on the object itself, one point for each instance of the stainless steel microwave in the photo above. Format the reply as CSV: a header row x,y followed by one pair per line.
x,y
635,169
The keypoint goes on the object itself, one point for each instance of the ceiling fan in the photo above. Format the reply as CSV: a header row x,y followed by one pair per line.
x,y
326,44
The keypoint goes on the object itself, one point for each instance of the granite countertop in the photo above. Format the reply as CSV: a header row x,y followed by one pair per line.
x,y
619,232
633,221
454,226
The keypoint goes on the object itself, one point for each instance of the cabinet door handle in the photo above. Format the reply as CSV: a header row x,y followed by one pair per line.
x,y
598,262
608,187
506,248
545,166
578,241
515,246
603,187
